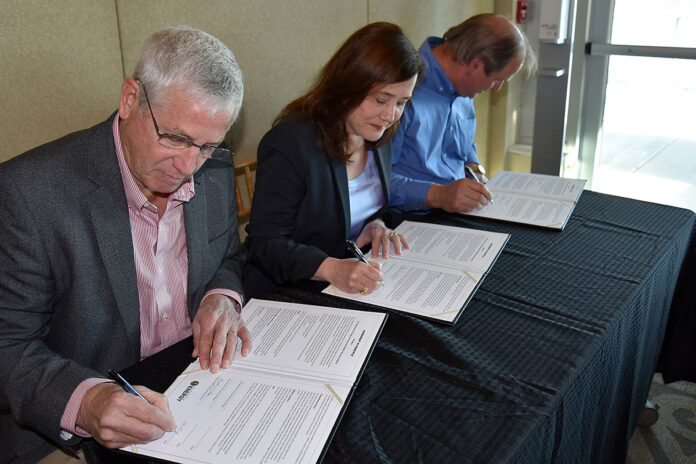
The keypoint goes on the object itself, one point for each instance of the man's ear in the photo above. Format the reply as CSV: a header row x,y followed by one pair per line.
x,y
471,68
477,63
129,100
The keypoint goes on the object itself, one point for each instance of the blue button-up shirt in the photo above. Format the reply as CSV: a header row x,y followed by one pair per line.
x,y
435,138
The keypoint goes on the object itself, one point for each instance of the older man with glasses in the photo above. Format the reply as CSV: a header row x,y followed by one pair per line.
x,y
116,242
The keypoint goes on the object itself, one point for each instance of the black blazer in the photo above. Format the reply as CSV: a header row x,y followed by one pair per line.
x,y
69,306
301,209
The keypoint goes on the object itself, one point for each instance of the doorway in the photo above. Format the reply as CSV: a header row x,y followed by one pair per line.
x,y
645,133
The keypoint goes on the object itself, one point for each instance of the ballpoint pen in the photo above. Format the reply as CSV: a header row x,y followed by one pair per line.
x,y
472,173
353,248
474,176
125,385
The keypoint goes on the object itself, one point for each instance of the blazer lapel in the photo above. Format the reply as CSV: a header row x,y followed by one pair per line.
x,y
340,176
196,224
384,164
108,209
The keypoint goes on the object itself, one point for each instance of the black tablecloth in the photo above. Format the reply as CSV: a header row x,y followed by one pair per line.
x,y
552,359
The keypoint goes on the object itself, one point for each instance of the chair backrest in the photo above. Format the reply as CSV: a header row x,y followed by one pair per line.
x,y
247,169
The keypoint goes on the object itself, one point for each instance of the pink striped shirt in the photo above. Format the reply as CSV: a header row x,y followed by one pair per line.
x,y
161,261
161,266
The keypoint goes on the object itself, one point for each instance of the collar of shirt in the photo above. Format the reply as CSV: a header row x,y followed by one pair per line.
x,y
435,78
136,198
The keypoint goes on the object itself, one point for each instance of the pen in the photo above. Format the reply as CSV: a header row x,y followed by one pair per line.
x,y
125,385
472,173
353,248
474,176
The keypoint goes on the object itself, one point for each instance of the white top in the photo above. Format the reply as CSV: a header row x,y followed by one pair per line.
x,y
366,195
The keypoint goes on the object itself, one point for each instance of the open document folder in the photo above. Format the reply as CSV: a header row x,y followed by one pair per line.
x,y
534,199
280,404
439,273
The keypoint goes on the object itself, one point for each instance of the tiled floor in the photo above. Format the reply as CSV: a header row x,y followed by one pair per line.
x,y
672,439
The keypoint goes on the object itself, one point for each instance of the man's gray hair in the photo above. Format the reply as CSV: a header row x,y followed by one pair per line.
x,y
194,61
493,38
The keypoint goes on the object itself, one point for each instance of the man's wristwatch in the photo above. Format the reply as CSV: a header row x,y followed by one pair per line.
x,y
478,168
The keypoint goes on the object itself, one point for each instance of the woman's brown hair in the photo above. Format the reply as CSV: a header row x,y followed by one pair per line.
x,y
376,54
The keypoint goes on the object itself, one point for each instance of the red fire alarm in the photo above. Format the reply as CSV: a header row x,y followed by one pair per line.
x,y
521,11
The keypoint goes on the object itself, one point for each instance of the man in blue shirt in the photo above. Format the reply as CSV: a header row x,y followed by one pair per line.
x,y
435,140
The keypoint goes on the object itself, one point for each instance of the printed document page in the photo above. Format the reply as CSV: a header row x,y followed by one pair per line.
x,y
539,185
535,199
250,418
457,247
263,409
437,275
311,341
417,288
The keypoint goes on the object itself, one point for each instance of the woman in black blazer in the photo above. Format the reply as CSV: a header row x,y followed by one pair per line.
x,y
323,169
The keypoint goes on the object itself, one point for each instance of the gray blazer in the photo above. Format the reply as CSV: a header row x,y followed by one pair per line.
x,y
69,307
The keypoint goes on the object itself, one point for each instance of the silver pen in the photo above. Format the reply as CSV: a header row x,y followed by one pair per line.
x,y
472,173
474,176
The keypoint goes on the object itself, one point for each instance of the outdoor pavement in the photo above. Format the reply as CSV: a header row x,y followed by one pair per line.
x,y
661,169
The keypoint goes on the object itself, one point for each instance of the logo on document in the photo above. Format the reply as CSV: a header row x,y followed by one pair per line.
x,y
188,390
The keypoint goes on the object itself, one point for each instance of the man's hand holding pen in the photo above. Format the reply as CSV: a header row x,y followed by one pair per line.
x,y
460,196
116,418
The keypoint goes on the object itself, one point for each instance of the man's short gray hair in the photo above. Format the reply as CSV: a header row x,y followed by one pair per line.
x,y
493,38
195,61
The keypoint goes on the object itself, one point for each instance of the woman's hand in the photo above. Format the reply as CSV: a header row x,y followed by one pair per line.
x,y
380,236
350,275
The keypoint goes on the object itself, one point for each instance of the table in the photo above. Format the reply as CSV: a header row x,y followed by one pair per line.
x,y
550,362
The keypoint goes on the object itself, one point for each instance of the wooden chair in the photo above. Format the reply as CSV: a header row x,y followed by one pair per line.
x,y
248,170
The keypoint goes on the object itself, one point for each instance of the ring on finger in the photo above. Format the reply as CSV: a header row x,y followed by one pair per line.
x,y
363,292
393,233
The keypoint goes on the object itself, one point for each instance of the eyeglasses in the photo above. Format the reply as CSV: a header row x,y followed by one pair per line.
x,y
179,142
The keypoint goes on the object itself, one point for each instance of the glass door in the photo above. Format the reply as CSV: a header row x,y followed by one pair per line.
x,y
645,131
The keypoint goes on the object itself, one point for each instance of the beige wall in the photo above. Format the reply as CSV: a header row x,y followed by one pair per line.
x,y
61,69
63,62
